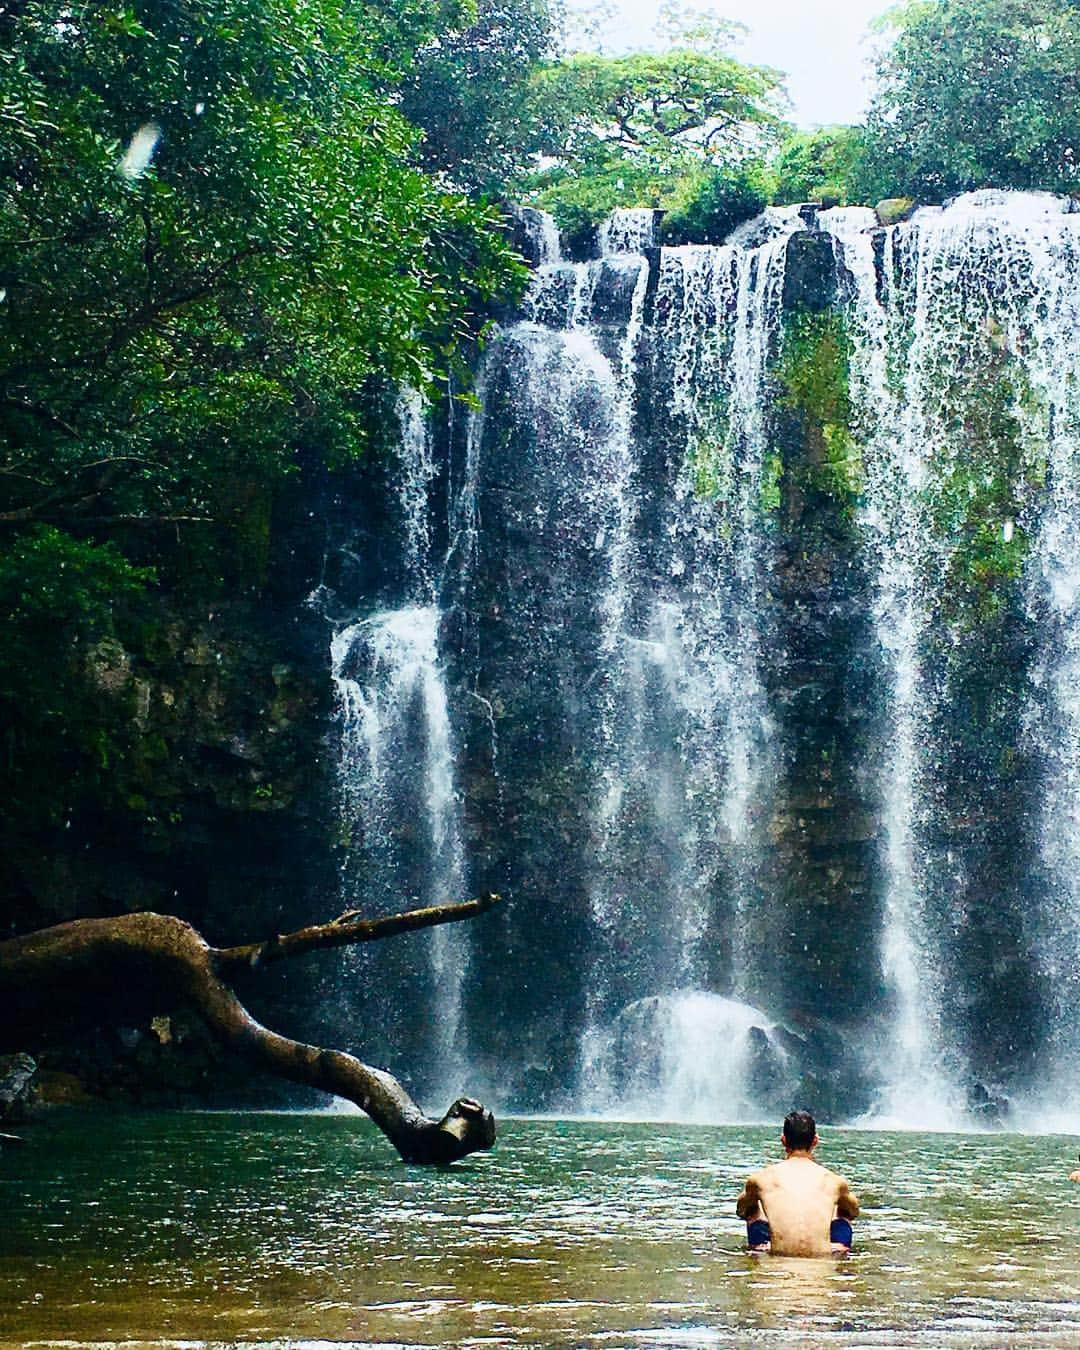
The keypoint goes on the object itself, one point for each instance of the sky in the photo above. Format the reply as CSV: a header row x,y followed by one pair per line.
x,y
818,43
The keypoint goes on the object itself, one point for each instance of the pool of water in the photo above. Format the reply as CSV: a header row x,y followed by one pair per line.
x,y
186,1228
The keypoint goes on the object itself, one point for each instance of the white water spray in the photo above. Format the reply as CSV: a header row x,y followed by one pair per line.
x,y
398,801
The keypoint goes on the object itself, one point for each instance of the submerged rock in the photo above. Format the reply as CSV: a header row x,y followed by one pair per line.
x,y
16,1078
988,1107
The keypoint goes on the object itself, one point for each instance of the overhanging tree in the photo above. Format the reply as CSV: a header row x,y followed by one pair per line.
x,y
131,967
212,245
215,256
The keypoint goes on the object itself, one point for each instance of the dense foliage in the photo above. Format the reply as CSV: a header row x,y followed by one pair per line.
x,y
469,91
214,256
171,324
977,93
713,200
825,166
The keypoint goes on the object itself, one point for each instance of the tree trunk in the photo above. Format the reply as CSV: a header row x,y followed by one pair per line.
x,y
134,966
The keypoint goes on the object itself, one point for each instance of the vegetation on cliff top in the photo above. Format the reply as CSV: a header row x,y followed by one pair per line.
x,y
649,129
976,93
969,94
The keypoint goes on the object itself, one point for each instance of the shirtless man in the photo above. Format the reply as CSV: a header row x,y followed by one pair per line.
x,y
797,1207
1075,1176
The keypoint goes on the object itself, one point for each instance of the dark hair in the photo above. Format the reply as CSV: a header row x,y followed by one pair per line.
x,y
800,1129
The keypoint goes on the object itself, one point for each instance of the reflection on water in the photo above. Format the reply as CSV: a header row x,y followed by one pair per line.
x,y
305,1228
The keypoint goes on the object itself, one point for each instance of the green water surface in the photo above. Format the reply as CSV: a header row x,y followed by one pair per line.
x,y
305,1228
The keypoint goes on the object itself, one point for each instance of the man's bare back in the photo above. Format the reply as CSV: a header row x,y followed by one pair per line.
x,y
799,1199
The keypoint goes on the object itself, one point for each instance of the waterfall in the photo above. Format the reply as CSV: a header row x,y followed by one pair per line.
x,y
417,472
397,793
1052,333
690,1056
632,588
628,230
397,756
977,300
542,236
892,407
684,779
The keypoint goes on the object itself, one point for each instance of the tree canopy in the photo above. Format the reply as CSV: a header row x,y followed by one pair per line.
x,y
648,129
212,242
977,93
824,166
468,90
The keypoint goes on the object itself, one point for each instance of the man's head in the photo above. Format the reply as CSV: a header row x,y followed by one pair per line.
x,y
800,1132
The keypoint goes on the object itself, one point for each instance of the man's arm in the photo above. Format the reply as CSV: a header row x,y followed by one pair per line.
x,y
847,1203
749,1202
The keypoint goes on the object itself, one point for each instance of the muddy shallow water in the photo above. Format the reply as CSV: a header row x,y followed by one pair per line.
x,y
305,1228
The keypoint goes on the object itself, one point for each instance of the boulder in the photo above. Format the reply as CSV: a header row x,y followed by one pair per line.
x,y
16,1076
987,1106
893,210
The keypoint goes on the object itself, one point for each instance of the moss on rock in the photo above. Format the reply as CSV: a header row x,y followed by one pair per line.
x,y
812,376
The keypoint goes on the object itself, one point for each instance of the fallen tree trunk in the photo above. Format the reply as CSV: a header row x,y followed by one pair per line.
x,y
134,966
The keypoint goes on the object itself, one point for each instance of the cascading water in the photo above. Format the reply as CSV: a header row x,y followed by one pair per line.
x,y
542,236
417,472
396,769
730,890
891,406
682,778
1052,320
974,302
628,230
573,367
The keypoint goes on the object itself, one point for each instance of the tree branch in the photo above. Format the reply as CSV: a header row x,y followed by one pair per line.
x,y
131,967
43,414
140,319
465,1128
60,515
52,507
345,931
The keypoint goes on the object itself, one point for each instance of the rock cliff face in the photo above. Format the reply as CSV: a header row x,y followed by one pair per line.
x,y
752,624
222,788
211,797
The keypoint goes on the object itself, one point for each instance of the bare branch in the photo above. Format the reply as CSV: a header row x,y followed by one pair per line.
x,y
346,931
127,968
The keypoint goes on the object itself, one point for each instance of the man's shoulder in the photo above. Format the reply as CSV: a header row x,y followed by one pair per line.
x,y
835,1179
